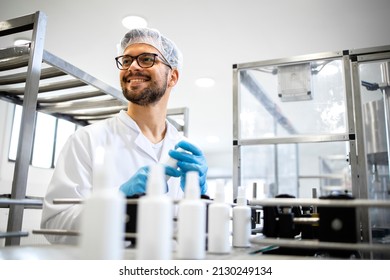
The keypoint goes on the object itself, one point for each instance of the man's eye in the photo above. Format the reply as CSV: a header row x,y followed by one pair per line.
x,y
126,61
147,58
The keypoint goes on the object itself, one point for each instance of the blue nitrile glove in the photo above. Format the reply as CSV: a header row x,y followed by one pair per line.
x,y
191,159
137,183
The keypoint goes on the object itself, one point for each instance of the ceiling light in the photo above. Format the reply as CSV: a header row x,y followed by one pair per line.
x,y
131,22
21,42
204,82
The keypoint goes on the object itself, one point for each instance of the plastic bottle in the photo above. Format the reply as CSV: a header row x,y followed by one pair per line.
x,y
103,216
191,221
172,163
241,220
219,223
155,219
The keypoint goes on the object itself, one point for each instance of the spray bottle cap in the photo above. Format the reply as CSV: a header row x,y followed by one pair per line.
x,y
241,197
156,183
220,191
192,189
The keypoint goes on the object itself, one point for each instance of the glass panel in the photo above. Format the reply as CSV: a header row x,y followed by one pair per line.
x,y
272,167
304,99
15,133
64,130
296,169
44,141
376,103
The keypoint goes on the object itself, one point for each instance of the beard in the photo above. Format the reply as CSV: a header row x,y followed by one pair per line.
x,y
148,96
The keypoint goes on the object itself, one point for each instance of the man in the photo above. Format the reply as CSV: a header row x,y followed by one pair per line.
x,y
137,138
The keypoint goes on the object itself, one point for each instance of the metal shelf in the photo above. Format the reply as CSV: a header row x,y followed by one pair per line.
x,y
64,90
40,81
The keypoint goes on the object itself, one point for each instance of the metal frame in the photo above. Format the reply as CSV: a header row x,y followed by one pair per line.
x,y
238,79
74,105
184,112
360,182
37,22
350,60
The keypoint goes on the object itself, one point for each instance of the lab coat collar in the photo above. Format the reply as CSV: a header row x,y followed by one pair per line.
x,y
128,121
172,136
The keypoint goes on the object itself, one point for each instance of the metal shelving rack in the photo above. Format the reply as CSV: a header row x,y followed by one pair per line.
x,y
42,82
27,68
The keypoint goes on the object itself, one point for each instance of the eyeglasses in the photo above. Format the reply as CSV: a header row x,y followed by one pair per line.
x,y
144,60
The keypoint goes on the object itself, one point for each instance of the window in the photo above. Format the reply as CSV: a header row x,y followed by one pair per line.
x,y
50,135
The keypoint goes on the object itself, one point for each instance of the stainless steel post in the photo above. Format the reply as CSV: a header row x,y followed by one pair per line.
x,y
19,184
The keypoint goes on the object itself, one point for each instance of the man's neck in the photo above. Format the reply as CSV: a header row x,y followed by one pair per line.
x,y
150,119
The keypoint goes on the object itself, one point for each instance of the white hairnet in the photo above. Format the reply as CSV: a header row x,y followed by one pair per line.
x,y
153,37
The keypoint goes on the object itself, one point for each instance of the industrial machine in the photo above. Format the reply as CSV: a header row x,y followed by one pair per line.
x,y
317,127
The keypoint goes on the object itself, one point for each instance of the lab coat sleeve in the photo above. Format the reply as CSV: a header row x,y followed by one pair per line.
x,y
72,180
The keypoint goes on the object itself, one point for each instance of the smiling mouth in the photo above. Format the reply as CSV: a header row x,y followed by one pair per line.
x,y
136,80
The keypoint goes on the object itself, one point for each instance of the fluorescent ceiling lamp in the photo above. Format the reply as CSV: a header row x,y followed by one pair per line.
x,y
21,42
205,82
131,22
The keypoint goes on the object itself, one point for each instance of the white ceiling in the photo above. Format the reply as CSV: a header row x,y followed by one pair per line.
x,y
213,35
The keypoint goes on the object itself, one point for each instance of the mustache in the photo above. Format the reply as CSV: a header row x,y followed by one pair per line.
x,y
137,74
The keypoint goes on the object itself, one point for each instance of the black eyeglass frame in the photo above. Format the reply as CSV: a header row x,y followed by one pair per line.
x,y
119,65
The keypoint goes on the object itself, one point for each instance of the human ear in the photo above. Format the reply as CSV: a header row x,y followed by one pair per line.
x,y
174,77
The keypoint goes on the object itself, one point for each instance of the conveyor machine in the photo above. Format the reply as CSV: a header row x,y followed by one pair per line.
x,y
316,127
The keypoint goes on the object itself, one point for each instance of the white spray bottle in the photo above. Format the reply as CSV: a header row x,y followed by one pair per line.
x,y
241,220
191,221
155,219
172,163
103,216
219,223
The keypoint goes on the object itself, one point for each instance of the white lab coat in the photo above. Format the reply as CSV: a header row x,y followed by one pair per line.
x,y
72,177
